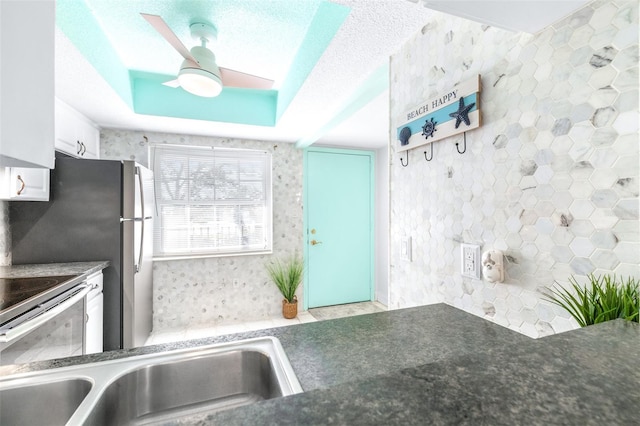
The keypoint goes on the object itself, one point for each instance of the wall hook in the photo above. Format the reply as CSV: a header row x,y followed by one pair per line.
x,y
425,153
402,162
465,145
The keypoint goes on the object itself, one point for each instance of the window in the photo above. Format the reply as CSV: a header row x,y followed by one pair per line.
x,y
211,201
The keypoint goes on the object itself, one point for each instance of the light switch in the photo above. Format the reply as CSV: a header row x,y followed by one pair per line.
x,y
470,260
405,249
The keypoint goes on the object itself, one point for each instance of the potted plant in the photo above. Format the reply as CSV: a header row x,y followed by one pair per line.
x,y
287,276
603,299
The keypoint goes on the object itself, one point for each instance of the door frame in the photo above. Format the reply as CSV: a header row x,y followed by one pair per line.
x,y
305,199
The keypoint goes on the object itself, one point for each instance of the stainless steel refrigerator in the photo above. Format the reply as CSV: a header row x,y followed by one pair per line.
x,y
98,210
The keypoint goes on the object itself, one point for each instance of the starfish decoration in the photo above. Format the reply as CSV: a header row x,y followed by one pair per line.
x,y
462,114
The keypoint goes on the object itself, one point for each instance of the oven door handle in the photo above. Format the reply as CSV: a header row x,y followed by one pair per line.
x,y
29,325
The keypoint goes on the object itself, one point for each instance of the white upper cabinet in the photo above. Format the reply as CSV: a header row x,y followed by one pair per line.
x,y
27,43
75,134
24,184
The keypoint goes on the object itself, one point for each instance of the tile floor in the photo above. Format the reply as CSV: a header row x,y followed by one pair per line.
x,y
349,310
312,315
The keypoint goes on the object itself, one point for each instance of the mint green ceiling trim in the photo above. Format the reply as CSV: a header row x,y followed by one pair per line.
x,y
326,22
373,86
145,94
233,105
93,45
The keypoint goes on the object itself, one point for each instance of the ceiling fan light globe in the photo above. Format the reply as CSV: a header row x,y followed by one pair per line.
x,y
200,82
201,78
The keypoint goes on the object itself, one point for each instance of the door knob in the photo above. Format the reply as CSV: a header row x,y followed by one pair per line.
x,y
314,242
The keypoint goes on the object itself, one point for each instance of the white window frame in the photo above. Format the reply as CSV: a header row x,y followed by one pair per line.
x,y
161,251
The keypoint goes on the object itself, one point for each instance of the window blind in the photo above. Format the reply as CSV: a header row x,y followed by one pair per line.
x,y
211,201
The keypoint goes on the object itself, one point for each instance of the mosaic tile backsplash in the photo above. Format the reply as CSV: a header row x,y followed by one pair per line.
x,y
551,177
204,292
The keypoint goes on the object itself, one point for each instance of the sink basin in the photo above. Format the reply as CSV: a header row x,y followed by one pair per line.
x,y
187,387
185,384
51,403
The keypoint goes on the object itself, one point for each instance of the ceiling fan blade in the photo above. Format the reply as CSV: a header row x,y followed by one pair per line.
x,y
172,83
161,26
234,78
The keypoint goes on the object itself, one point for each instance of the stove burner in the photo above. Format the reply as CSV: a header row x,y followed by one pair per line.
x,y
16,290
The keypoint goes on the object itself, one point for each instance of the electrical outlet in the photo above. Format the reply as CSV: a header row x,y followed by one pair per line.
x,y
470,260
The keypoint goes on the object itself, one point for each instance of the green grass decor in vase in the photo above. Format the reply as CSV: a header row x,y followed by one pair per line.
x,y
604,298
287,276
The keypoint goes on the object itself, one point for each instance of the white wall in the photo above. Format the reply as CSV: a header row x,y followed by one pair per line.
x,y
551,177
382,226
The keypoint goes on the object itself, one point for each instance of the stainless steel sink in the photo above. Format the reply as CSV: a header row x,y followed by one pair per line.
x,y
185,384
51,403
187,387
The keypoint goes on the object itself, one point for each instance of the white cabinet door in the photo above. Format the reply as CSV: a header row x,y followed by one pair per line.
x,y
24,184
66,140
90,141
75,134
93,330
27,37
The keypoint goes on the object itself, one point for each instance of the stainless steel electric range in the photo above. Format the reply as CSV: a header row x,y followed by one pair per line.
x,y
41,318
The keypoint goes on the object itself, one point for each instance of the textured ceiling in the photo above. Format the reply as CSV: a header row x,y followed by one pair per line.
x,y
260,37
136,60
371,32
246,32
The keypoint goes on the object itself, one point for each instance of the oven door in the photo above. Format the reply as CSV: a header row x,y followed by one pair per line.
x,y
54,329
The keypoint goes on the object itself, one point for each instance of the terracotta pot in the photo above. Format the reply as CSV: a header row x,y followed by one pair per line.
x,y
290,309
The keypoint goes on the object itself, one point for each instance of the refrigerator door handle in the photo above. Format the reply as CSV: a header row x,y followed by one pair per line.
x,y
141,189
135,219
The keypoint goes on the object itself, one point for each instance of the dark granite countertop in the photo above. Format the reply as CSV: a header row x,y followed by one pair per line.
x,y
436,365
586,377
52,269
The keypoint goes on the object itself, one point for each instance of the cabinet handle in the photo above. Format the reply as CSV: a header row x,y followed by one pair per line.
x,y
21,186
79,145
84,148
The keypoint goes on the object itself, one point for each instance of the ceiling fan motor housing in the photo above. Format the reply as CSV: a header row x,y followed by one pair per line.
x,y
201,31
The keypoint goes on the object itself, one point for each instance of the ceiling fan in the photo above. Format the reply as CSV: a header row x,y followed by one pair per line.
x,y
199,74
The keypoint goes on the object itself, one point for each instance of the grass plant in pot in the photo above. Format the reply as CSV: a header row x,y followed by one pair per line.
x,y
604,298
287,276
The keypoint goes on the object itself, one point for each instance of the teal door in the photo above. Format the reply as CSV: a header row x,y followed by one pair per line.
x,y
339,226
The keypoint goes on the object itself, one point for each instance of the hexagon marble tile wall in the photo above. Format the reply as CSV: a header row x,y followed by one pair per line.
x,y
205,292
551,178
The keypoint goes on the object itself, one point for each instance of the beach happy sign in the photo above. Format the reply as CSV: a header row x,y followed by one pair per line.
x,y
455,111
